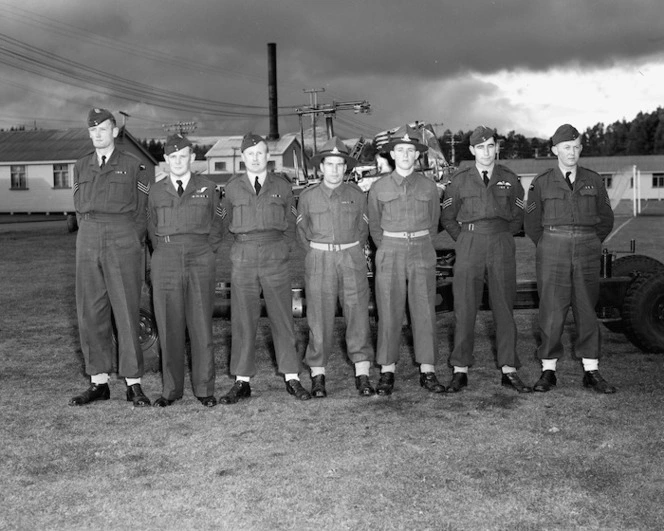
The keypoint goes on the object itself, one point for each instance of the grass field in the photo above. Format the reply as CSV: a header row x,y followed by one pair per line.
x,y
485,458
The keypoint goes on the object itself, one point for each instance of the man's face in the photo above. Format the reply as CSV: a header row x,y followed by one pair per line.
x,y
485,153
568,153
333,169
255,158
404,156
179,162
103,135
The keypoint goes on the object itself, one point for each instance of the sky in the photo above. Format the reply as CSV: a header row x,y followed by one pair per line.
x,y
515,65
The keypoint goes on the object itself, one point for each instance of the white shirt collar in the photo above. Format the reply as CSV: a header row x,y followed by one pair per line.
x,y
184,179
572,176
261,177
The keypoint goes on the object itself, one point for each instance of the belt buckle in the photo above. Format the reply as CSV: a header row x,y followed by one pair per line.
x,y
471,227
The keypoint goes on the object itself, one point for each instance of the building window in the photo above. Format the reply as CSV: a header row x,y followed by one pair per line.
x,y
219,166
271,165
242,166
658,180
19,180
61,176
608,180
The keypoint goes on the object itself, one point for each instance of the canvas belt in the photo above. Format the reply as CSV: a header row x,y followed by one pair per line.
x,y
260,236
485,226
332,246
406,235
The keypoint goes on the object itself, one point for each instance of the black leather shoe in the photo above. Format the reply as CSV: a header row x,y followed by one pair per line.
x,y
429,381
363,385
207,401
459,381
135,394
162,402
239,390
595,380
385,384
512,380
294,387
318,386
92,393
546,382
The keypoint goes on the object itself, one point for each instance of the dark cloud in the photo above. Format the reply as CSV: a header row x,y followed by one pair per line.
x,y
410,59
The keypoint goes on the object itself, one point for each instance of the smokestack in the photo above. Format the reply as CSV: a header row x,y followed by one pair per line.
x,y
272,90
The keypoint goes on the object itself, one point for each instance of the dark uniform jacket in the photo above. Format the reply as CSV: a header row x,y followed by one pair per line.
x,y
271,210
332,215
120,187
403,204
468,200
196,212
551,202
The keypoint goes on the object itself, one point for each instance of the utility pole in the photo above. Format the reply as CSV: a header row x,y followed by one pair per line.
x,y
313,104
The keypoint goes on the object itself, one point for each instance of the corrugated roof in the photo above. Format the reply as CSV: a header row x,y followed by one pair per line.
x,y
53,145
647,163
227,145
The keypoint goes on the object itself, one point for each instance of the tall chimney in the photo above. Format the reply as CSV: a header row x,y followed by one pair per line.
x,y
272,90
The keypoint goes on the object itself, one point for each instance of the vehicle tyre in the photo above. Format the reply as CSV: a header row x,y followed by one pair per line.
x,y
631,265
643,312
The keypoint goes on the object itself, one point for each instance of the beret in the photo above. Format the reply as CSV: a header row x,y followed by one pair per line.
x,y
97,116
481,134
250,140
175,143
405,135
334,147
564,133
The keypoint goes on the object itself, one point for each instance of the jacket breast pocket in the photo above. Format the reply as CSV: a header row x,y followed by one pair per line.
x,y
84,189
242,212
554,204
588,201
320,216
121,190
390,204
275,211
471,204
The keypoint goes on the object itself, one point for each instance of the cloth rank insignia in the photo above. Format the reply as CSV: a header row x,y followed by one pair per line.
x,y
519,203
221,212
145,188
531,207
448,202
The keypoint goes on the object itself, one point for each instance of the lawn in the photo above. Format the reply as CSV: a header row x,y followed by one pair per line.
x,y
486,458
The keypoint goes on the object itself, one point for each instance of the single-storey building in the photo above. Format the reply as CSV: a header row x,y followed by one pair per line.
x,y
285,156
37,167
618,173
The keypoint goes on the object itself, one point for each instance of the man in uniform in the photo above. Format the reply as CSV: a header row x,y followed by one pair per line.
x,y
568,216
260,213
482,210
332,224
184,223
404,210
110,196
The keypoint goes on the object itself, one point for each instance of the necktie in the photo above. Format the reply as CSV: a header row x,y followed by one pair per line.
x,y
569,183
485,176
103,161
180,189
257,185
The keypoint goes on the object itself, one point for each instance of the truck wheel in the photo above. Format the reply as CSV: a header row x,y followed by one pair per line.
x,y
631,265
643,312
72,223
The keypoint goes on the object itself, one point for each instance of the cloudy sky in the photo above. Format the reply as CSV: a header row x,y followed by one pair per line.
x,y
523,65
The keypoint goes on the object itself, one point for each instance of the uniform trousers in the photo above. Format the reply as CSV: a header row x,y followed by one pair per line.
x,y
183,280
332,275
568,269
480,257
406,268
261,265
109,276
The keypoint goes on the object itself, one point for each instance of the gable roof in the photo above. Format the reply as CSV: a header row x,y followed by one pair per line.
x,y
647,163
227,146
48,145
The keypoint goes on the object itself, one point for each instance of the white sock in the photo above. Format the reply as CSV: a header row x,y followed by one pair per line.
x,y
133,381
289,377
388,368
590,364
362,368
315,371
99,379
425,367
549,364
507,369
461,369
242,379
